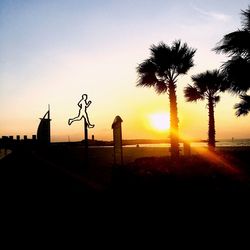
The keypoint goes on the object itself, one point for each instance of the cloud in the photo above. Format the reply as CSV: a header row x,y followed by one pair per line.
x,y
218,16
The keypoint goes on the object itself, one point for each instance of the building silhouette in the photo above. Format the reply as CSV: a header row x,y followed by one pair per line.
x,y
43,131
42,138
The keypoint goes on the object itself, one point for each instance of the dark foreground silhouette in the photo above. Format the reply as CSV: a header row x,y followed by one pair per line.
x,y
26,172
62,170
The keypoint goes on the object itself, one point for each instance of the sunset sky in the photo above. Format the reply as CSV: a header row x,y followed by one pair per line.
x,y
53,51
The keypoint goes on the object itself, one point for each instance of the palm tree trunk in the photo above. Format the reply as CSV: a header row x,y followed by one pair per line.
x,y
174,138
211,124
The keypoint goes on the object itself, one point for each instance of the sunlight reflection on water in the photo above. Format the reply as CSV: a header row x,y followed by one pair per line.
x,y
220,143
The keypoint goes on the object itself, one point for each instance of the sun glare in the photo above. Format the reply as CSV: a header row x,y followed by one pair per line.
x,y
160,121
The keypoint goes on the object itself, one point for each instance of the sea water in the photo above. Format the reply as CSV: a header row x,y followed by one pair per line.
x,y
219,143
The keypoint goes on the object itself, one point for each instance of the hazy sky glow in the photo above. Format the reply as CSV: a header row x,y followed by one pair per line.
x,y
53,51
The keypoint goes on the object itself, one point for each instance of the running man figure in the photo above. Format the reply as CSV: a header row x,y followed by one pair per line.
x,y
83,105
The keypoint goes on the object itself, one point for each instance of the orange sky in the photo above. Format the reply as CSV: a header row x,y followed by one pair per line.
x,y
52,53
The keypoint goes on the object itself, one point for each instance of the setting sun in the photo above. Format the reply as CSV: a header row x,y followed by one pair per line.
x,y
160,121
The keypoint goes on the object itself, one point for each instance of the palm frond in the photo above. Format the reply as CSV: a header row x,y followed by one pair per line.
x,y
164,65
216,99
192,94
246,19
237,71
161,87
182,56
146,71
235,43
210,81
162,57
243,108
177,58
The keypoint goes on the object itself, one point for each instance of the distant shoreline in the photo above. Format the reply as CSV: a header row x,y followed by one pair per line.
x,y
160,143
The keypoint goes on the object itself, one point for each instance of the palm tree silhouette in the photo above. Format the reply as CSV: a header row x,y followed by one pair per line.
x,y
237,46
161,71
207,86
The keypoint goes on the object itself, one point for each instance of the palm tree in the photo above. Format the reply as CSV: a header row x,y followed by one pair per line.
x,y
207,86
161,71
237,46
